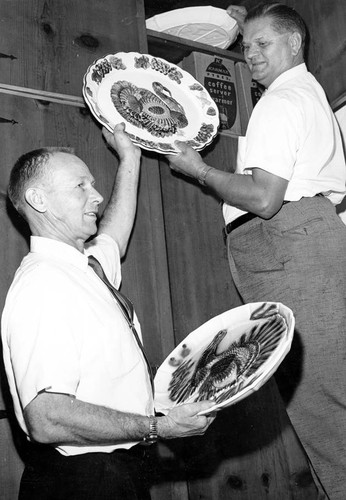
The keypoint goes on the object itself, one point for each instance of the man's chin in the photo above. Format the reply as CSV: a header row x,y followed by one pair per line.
x,y
256,75
91,231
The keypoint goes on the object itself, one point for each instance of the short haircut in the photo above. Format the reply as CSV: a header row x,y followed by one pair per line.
x,y
29,169
284,18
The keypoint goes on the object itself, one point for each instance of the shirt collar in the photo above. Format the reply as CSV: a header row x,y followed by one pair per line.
x,y
299,70
58,250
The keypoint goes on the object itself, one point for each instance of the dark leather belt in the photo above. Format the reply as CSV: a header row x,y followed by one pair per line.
x,y
236,223
245,218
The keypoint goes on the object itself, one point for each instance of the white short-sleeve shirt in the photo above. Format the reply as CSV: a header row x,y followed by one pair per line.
x,y
293,133
63,332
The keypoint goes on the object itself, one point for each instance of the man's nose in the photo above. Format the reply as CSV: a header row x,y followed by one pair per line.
x,y
97,196
252,50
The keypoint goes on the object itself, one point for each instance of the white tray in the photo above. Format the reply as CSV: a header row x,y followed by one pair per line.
x,y
208,25
227,358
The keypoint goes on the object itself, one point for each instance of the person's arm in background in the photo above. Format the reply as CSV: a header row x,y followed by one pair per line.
x,y
118,217
238,12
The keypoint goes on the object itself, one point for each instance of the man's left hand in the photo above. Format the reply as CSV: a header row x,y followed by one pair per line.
x,y
121,142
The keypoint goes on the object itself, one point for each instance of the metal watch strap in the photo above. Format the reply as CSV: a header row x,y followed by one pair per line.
x,y
152,436
202,174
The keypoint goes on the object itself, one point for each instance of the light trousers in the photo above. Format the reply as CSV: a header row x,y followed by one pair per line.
x,y
298,257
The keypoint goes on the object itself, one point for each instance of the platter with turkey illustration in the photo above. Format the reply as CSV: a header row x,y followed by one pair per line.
x,y
227,358
158,101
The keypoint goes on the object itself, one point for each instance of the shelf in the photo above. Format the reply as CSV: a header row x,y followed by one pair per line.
x,y
174,49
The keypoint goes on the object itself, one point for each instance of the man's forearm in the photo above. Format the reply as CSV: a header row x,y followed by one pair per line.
x,y
261,193
62,419
59,419
118,217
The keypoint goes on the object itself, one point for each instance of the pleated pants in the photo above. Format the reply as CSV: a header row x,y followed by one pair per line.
x,y
298,257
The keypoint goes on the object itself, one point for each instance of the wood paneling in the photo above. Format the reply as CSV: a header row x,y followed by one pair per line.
x,y
145,269
11,466
49,44
250,452
200,282
326,55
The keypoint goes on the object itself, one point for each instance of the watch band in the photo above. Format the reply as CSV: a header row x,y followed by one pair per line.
x,y
152,436
202,174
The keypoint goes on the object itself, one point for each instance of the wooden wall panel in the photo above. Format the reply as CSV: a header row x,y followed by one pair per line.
x,y
327,48
250,452
11,466
201,286
148,283
49,44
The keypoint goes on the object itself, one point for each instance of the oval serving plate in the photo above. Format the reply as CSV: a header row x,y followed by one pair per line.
x,y
227,358
204,24
158,101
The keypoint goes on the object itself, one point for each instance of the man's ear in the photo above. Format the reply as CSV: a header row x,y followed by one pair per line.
x,y
36,199
296,42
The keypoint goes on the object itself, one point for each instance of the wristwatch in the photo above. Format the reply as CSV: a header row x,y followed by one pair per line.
x,y
152,436
202,174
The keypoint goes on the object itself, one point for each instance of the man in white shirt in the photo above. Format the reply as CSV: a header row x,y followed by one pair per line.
x,y
77,375
285,241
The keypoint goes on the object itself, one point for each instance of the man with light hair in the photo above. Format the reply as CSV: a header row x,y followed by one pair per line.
x,y
78,375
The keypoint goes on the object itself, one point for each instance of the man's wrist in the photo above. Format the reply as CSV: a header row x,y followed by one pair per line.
x,y
152,435
202,174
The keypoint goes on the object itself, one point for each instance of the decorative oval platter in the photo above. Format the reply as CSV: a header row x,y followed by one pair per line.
x,y
158,101
227,358
205,24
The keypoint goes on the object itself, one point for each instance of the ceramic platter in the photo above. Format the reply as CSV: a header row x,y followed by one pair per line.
x,y
208,25
227,358
159,102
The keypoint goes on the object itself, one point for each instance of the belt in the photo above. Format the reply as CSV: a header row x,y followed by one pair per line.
x,y
236,223
246,218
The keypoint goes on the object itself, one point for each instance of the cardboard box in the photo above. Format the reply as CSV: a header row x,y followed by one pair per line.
x,y
217,75
249,93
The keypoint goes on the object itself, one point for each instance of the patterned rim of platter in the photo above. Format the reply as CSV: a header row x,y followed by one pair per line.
x,y
227,358
204,24
158,101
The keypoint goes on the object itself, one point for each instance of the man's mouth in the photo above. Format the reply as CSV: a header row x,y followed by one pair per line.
x,y
256,65
91,214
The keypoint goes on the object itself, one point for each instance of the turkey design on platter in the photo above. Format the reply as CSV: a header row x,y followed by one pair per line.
x,y
157,112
